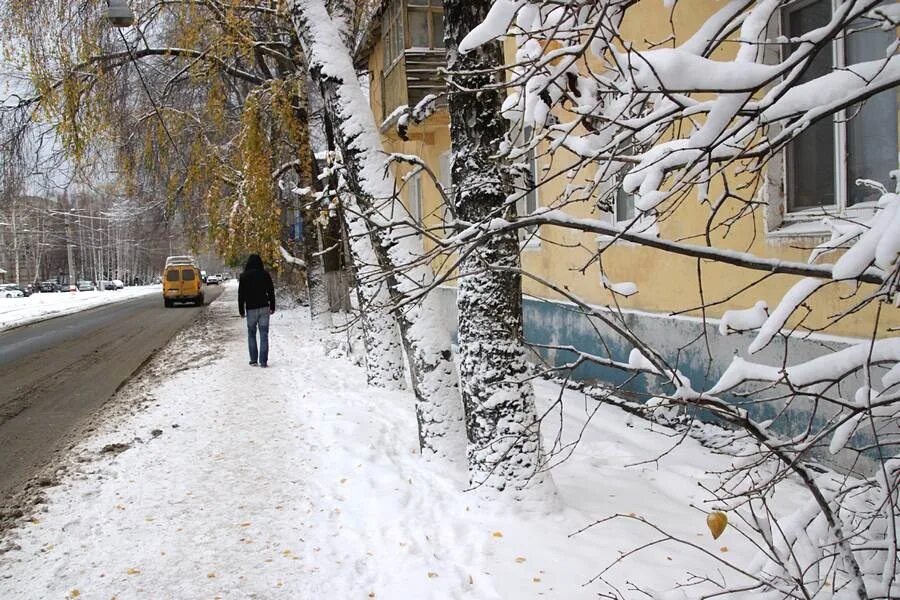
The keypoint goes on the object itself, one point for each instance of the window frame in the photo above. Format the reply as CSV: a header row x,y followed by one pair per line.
x,y
393,29
396,36
430,8
529,237
445,164
840,126
415,197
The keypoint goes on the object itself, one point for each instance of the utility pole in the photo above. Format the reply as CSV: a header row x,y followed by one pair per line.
x,y
15,234
69,246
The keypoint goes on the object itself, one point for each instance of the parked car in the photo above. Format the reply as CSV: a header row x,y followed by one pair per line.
x,y
85,286
213,280
49,286
119,284
25,289
8,290
68,287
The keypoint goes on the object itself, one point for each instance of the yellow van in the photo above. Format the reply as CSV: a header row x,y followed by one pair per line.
x,y
181,282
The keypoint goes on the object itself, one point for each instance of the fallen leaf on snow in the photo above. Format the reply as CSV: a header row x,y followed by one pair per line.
x,y
497,534
133,571
723,549
74,594
432,574
716,521
520,559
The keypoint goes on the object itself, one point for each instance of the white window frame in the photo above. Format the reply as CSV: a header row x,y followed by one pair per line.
x,y
415,199
530,201
446,180
638,222
785,222
619,193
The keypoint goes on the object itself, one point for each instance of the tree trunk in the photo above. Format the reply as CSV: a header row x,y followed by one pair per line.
x,y
504,450
335,264
424,334
384,350
319,313
381,337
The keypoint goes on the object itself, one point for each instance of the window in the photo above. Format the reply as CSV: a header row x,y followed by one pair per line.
x,y
426,23
528,202
446,177
187,275
824,162
414,185
172,275
392,32
624,202
419,24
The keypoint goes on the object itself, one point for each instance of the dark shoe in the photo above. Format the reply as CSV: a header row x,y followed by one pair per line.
x,y
263,365
252,363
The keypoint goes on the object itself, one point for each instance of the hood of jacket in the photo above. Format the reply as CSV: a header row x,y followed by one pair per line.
x,y
254,263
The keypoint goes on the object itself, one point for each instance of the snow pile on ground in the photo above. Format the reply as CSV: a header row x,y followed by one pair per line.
x,y
15,312
297,481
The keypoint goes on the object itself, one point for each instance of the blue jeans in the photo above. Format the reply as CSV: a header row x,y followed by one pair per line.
x,y
258,318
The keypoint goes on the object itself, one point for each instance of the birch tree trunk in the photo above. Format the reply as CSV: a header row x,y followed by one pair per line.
x,y
504,445
424,334
381,336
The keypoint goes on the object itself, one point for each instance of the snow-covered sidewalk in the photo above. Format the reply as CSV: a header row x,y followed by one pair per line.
x,y
15,312
209,478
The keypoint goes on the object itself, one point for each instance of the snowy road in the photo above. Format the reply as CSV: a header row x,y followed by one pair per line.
x,y
54,373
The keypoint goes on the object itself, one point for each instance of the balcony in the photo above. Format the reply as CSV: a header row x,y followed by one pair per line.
x,y
412,77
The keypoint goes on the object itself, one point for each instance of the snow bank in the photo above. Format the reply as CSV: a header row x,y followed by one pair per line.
x,y
15,312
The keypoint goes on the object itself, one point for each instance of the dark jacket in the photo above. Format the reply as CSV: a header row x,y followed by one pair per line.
x,y
255,289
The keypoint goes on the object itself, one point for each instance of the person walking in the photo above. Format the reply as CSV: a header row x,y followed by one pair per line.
x,y
256,301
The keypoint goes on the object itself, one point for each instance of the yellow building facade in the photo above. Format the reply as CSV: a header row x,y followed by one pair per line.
x,y
401,70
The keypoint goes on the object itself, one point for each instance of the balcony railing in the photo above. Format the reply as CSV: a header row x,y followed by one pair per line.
x,y
412,77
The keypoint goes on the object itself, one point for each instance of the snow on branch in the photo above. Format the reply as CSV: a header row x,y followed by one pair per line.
x,y
290,258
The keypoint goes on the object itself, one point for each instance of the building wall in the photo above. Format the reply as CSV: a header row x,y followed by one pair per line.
x,y
667,283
